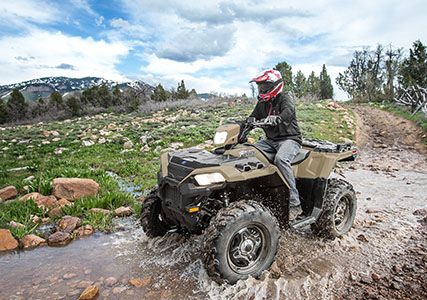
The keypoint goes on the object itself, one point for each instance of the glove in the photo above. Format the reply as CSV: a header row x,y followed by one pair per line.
x,y
273,120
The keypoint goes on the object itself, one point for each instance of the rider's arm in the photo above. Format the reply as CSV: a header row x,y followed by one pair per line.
x,y
256,112
288,110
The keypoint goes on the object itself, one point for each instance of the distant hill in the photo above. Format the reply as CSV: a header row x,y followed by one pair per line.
x,y
43,87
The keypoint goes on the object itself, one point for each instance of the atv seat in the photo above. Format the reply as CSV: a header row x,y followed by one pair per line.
x,y
299,158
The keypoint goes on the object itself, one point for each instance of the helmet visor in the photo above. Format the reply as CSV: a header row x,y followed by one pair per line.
x,y
265,87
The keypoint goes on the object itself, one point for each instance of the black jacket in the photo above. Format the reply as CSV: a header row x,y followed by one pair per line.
x,y
283,106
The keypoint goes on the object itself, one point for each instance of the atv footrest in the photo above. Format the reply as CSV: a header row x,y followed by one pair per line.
x,y
303,222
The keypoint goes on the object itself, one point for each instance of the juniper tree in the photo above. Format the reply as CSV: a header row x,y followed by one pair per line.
x,y
325,85
313,85
286,70
16,106
159,93
414,67
300,85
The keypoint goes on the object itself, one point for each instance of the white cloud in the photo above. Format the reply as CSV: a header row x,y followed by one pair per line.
x,y
18,12
43,53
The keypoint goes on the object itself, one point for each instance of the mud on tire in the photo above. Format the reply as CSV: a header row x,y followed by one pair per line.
x,y
151,220
241,241
339,210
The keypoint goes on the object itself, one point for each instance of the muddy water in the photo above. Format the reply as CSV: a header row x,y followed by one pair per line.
x,y
307,267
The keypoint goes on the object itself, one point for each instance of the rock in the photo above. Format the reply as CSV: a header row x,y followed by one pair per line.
x,y
7,193
46,201
89,293
375,276
7,241
69,223
128,145
59,238
421,212
123,211
69,275
74,188
143,139
102,141
55,212
45,220
110,281
275,271
100,211
362,238
14,224
32,241
88,143
118,290
29,196
139,283
373,211
29,179
84,231
63,202
35,219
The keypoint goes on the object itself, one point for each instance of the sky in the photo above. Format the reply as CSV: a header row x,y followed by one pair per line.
x,y
214,46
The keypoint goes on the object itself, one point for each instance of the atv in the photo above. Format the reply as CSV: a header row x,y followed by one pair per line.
x,y
238,198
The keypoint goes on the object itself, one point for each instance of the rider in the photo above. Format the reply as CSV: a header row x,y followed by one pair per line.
x,y
283,140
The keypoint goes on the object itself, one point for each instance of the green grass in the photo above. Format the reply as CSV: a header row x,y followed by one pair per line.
x,y
25,147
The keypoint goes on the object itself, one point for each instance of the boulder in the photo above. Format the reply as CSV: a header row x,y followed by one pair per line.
x,y
7,241
59,238
123,211
83,231
100,211
74,188
89,293
46,201
68,224
32,241
55,212
29,196
63,202
7,193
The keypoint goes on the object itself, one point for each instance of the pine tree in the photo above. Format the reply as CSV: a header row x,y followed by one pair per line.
x,y
181,91
159,94
286,70
313,85
16,106
300,85
117,95
103,96
3,112
414,68
74,105
56,100
325,84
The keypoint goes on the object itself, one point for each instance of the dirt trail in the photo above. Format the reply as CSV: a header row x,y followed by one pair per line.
x,y
383,257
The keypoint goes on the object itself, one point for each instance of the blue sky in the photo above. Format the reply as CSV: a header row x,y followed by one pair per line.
x,y
213,45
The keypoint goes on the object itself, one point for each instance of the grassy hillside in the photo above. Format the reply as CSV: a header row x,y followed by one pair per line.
x,y
127,145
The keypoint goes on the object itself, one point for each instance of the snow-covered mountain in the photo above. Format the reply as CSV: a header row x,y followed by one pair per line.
x,y
43,87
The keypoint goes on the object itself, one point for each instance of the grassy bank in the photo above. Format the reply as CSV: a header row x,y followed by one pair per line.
x,y
57,149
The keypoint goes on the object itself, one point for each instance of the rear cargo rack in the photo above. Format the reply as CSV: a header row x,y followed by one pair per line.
x,y
325,146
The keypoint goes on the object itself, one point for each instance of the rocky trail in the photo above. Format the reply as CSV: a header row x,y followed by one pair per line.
x,y
383,257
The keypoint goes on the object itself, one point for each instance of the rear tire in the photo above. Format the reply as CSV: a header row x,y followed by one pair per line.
x,y
338,210
151,219
241,241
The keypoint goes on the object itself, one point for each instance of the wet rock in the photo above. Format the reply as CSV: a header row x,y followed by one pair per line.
x,y
59,238
139,283
7,193
14,224
123,211
69,223
74,188
29,196
375,276
7,241
373,211
46,202
32,241
69,275
84,284
100,211
84,231
110,281
89,293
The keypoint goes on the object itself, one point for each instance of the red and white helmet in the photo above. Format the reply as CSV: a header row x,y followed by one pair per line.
x,y
270,84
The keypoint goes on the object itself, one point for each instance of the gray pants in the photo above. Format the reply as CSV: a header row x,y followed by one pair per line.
x,y
283,152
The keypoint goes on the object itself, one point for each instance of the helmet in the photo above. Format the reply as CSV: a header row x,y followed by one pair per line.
x,y
270,84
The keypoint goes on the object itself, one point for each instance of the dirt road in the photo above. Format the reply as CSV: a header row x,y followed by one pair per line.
x,y
384,256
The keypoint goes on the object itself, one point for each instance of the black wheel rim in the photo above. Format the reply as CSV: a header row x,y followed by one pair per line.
x,y
342,212
247,249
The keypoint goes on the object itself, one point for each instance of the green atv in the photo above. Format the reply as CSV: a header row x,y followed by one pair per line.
x,y
238,198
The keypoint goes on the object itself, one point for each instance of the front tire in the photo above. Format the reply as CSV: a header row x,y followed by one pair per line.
x,y
241,241
151,219
338,210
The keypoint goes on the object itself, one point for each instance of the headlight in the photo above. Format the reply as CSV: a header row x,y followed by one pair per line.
x,y
220,137
207,179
